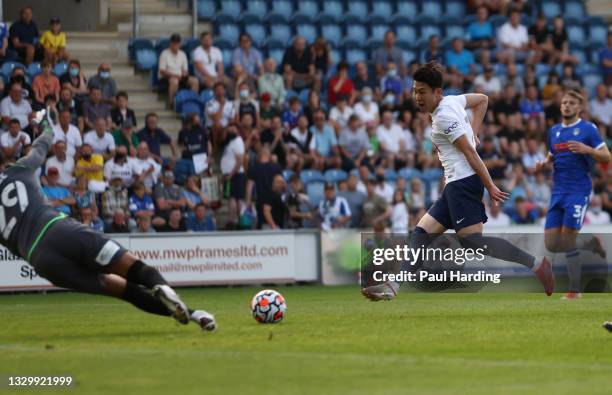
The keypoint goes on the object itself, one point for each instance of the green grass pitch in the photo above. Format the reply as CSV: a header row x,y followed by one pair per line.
x,y
332,342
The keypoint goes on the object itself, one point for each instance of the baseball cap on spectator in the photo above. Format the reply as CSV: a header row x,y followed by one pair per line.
x,y
175,38
53,171
265,97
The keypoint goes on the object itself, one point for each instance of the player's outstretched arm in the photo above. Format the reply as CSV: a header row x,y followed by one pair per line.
x,y
463,144
478,103
39,150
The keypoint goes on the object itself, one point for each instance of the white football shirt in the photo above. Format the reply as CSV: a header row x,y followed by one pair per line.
x,y
449,122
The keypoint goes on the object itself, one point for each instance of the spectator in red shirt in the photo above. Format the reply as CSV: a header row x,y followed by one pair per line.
x,y
341,84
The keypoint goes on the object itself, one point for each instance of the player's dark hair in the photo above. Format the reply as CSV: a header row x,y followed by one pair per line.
x,y
430,74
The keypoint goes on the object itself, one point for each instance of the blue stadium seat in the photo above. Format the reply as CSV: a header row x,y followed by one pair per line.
x,y
59,69
410,56
406,34
356,11
255,10
576,36
281,32
182,97
230,10
590,82
206,9
257,32
542,69
308,31
428,30
574,11
223,44
7,68
332,33
183,168
356,34
189,45
382,11
598,34
580,54
354,55
551,8
287,174
432,10
377,31
390,175
192,107
146,59
433,174
276,54
139,43
229,32
206,95
407,11
498,20
332,11
161,44
308,176
226,53
307,11
408,173
454,10
33,70
280,10
454,31
303,96
335,176
315,192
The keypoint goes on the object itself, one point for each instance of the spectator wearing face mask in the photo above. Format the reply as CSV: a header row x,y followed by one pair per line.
x,y
18,76
388,54
105,83
75,80
367,110
245,104
391,82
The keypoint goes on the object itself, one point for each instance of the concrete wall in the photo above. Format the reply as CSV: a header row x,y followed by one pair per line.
x,y
76,15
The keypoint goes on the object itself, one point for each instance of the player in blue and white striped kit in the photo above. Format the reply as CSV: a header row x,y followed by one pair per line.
x,y
573,146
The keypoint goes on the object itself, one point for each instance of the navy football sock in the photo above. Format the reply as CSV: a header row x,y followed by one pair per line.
x,y
143,274
499,248
142,298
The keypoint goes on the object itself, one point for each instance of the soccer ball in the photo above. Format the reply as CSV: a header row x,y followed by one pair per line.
x,y
268,307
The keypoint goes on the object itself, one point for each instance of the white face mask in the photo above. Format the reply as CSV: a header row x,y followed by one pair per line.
x,y
366,98
390,99
392,72
244,94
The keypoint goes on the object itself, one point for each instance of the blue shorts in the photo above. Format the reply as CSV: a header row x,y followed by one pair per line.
x,y
460,204
566,209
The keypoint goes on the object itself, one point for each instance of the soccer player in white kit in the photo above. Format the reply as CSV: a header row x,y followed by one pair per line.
x,y
460,207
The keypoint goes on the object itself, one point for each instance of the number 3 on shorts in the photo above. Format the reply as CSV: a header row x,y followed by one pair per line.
x,y
579,212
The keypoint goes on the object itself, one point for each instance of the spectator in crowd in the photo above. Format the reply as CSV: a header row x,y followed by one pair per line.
x,y
119,166
260,179
104,82
272,83
83,197
141,202
219,112
92,166
321,56
340,113
513,40
248,58
125,136
193,138
208,62
168,195
513,78
173,69
531,107
540,40
18,76
5,53
433,53
493,160
274,137
312,106
155,137
400,218
145,167
274,208
14,141
121,112
540,192
201,221
300,143
353,144
392,83
119,223
375,208
392,140
367,109
298,67
489,82
87,218
194,194
569,78
325,153
595,214
44,85
23,37
521,214
245,104
363,79
532,156
496,217
388,54
68,103
68,133
175,222
460,61
480,33
74,79
59,197
62,162
417,194
605,60
143,224
552,85
600,106
100,139
355,199
53,42
293,113
14,106
560,43
115,197
267,111
94,107
334,210
300,213
232,169
341,84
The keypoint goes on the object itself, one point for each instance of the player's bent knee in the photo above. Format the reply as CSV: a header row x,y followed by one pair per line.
x,y
114,285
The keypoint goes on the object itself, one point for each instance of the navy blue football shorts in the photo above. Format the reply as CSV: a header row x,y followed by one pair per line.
x,y
461,204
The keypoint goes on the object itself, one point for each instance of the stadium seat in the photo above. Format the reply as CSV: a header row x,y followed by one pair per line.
x,y
454,31
206,95
407,11
307,11
281,32
428,31
498,20
573,11
308,176
356,11
139,43
598,34
377,31
229,32
280,11
580,54
356,35
590,82
551,8
303,96
59,69
390,175
408,173
354,55
433,174
7,68
276,54
409,56
230,10
33,70
315,192
255,10
206,9
454,10
542,68
576,36
308,31
189,45
226,53
406,35
431,10
335,176
161,44
287,174
183,168
183,96
332,33
332,12
257,32
382,11
146,59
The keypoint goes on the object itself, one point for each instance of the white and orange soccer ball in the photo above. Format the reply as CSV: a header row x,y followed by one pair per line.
x,y
268,307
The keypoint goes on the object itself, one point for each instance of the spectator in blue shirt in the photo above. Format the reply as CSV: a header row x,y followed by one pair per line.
x,y
88,219
326,145
141,203
605,60
59,197
522,214
155,137
433,52
292,114
334,210
392,82
531,106
6,54
201,222
23,37
480,33
459,58
248,57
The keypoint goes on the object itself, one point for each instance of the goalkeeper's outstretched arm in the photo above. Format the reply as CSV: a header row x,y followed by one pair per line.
x,y
37,155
